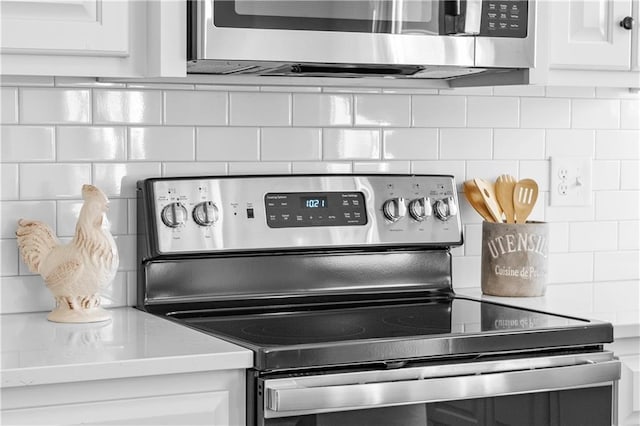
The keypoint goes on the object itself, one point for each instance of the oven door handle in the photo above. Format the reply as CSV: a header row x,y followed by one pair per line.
x,y
300,400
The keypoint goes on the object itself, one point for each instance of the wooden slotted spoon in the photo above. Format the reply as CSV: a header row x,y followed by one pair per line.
x,y
489,196
474,197
504,194
525,194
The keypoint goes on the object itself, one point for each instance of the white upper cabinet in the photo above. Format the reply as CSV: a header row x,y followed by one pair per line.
x,y
97,38
589,43
588,35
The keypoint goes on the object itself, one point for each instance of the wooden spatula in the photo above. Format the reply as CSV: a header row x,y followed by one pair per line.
x,y
504,194
489,196
474,197
525,194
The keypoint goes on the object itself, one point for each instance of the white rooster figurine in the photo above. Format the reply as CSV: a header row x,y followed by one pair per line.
x,y
75,272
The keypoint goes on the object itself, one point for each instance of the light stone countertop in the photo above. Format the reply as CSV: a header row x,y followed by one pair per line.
x,y
614,302
132,344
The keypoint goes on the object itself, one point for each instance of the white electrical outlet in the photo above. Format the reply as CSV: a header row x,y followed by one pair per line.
x,y
570,183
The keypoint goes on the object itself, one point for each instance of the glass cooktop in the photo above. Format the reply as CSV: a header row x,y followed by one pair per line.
x,y
449,326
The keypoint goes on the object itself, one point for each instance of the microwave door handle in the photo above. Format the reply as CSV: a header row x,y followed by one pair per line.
x,y
284,402
472,17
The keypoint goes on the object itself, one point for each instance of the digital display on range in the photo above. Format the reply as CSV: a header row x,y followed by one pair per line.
x,y
310,209
314,202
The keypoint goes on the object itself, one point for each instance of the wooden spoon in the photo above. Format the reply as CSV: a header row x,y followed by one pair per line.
x,y
525,194
474,197
489,196
504,194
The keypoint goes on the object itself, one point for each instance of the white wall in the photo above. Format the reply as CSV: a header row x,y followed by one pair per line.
x,y
58,134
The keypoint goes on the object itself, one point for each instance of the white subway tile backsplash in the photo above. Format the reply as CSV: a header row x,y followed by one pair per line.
x,y
410,144
161,144
545,113
617,265
629,235
571,213
127,106
9,258
266,168
607,296
113,134
472,239
351,144
27,144
571,92
79,143
470,144
291,144
606,175
630,174
8,105
27,80
618,144
322,110
595,114
391,167
616,93
558,237
382,110
529,90
491,169
630,114
439,111
570,267
490,111
227,144
24,294
199,168
617,205
199,108
317,167
12,211
9,189
52,181
521,144
55,106
119,179
260,109
441,167
570,143
466,271
592,236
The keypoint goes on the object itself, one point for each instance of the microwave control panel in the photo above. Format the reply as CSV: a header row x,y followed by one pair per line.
x,y
504,18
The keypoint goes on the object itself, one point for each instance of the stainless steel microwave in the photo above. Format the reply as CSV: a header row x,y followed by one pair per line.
x,y
402,39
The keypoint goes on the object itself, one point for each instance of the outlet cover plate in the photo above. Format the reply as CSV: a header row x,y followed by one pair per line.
x,y
570,183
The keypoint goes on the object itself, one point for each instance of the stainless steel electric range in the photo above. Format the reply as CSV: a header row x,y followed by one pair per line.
x,y
342,287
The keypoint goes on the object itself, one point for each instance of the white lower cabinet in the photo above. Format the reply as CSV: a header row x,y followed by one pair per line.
x,y
207,398
628,351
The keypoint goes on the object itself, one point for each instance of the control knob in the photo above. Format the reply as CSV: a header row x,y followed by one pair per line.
x,y
205,213
445,208
174,215
420,208
394,209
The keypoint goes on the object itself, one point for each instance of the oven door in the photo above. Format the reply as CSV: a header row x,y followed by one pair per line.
x,y
555,390
371,32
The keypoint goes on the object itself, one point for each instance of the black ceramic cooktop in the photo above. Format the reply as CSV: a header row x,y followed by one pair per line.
x,y
450,326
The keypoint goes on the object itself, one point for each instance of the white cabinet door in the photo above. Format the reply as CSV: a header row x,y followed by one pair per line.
x,y
65,27
93,38
586,35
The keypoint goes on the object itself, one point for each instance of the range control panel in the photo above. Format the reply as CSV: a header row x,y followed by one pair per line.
x,y
216,214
